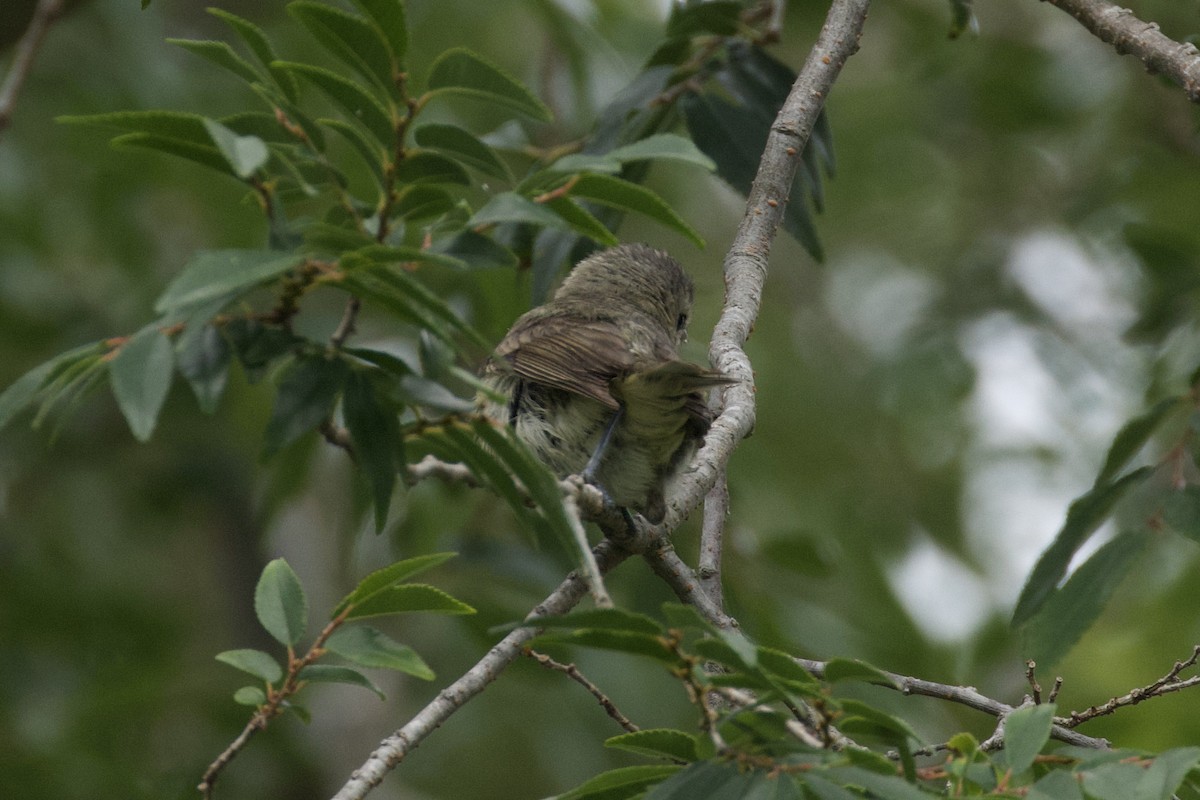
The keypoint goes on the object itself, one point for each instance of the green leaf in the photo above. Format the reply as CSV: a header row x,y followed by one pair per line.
x,y
1070,611
582,220
640,644
865,719
663,146
720,17
1135,433
245,154
368,647
355,41
421,202
885,787
512,207
421,166
1057,785
1167,773
250,696
375,431
679,615
388,17
463,146
1026,732
1181,511
389,576
712,780
214,273
280,604
408,598
822,789
658,742
622,194
783,665
621,783
609,619
202,356
476,251
305,398
325,673
1085,515
1112,781
29,387
221,54
203,154
255,662
257,41
368,149
844,669
459,71
168,124
141,377
358,103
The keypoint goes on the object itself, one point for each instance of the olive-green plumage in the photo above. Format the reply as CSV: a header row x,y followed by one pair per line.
x,y
608,341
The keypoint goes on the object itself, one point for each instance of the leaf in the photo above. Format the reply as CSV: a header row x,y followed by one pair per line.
x,y
326,673
885,787
512,207
463,146
221,54
304,399
408,598
476,251
26,389
141,377
375,431
783,665
214,273
679,615
203,154
622,194
459,71
421,166
1057,785
658,742
179,125
369,150
388,16
358,103
664,146
1112,781
250,696
389,576
280,604
202,356
639,644
844,669
721,17
1167,773
582,220
1070,611
1135,433
255,662
1085,515
822,789
368,647
245,154
880,723
357,42
609,619
621,783
257,41
1026,732
711,780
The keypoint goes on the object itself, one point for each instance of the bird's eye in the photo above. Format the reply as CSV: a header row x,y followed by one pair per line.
x,y
681,323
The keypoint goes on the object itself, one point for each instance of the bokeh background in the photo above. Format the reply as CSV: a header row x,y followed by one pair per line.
x,y
931,399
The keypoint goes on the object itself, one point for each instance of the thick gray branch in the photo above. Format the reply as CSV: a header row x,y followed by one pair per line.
x,y
1179,61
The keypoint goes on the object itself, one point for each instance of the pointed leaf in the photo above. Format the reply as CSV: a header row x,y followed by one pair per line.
x,y
221,54
658,742
280,603
25,390
1085,515
460,71
885,787
326,673
464,146
423,166
621,783
1058,785
663,146
408,598
844,669
355,41
582,220
214,273
511,207
375,431
622,194
1135,433
1026,732
1070,611
388,16
1164,777
256,662
245,154
1112,781
712,780
141,377
203,356
368,647
390,575
305,398
358,103
368,149
168,124
257,41
476,251
822,789
203,154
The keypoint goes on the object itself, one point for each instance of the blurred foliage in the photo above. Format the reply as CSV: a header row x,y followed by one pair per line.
x,y
1009,277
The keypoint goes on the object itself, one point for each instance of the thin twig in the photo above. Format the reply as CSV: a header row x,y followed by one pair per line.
x,y
572,672
1031,679
44,15
1165,685
667,564
591,570
1112,24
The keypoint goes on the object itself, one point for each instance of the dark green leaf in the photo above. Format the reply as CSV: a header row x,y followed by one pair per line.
x,y
863,719
782,665
1112,781
711,780
1026,732
358,103
622,194
422,201
280,604
368,647
256,662
325,673
389,576
202,356
663,146
719,17
305,398
421,166
658,742
1135,433
1084,516
141,377
622,783
222,55
257,345
355,41
368,149
212,274
609,619
244,154
885,787
257,41
375,431
460,71
640,644
582,220
404,295
203,154
476,251
1071,610
844,669
258,123
388,16
683,616
167,124
464,146
511,207
250,696
1164,777
1058,785
822,789
408,598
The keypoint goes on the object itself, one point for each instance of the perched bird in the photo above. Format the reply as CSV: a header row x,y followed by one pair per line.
x,y
593,379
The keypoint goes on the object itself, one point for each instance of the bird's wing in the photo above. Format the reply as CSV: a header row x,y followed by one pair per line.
x,y
579,356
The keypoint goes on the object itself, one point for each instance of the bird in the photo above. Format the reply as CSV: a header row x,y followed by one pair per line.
x,y
593,382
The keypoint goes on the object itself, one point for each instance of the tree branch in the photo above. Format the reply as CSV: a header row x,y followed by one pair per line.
x,y
44,15
572,672
394,748
1118,26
